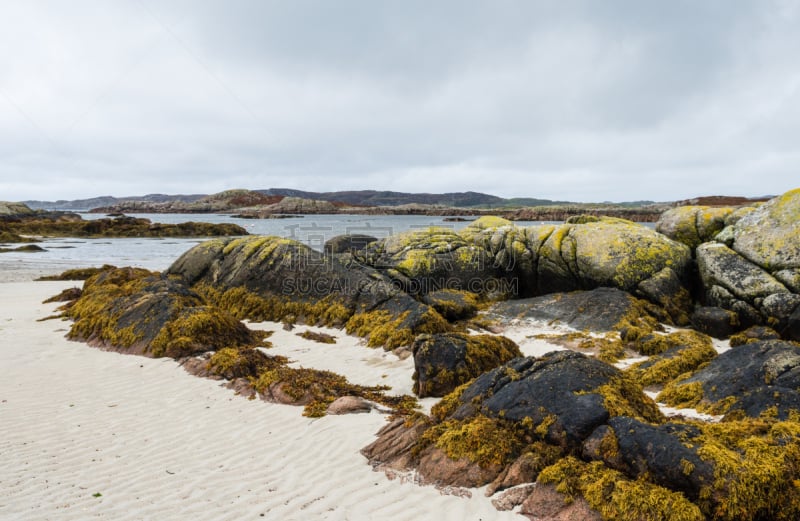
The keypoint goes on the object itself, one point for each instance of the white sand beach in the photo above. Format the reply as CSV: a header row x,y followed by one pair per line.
x,y
88,434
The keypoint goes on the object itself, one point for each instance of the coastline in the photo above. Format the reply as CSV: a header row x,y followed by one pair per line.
x,y
155,441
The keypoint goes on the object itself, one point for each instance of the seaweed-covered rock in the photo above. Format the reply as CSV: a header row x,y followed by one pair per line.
x,y
565,394
422,261
271,278
758,369
597,310
443,362
664,453
135,311
453,304
673,355
693,225
754,334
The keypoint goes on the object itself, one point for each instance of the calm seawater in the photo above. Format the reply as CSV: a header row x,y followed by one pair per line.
x,y
158,254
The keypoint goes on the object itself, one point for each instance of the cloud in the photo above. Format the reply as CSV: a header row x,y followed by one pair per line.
x,y
576,100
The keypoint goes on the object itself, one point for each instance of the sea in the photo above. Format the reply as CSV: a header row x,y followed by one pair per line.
x,y
158,254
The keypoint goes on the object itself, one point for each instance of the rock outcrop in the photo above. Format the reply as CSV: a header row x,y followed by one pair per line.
x,y
755,270
443,362
271,278
752,379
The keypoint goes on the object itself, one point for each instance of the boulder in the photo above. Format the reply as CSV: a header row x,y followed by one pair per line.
x,y
444,361
587,254
135,311
693,225
565,394
271,278
714,321
766,373
597,310
545,503
753,268
732,282
769,236
453,304
664,453
348,243
423,261
349,405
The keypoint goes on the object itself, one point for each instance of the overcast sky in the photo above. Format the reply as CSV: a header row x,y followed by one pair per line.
x,y
580,100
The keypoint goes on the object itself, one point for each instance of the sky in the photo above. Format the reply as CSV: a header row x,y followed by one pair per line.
x,y
573,100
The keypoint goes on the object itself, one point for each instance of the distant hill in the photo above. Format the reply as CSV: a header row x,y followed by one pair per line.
x,y
84,205
386,198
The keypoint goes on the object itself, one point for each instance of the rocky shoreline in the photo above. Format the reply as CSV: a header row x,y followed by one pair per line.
x,y
571,432
24,224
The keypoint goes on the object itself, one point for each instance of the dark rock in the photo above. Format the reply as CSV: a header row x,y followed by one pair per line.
x,y
754,334
598,310
773,365
453,305
714,321
294,279
443,362
564,388
349,243
134,311
659,452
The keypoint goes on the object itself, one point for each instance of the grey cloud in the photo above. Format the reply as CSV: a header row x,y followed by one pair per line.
x,y
579,100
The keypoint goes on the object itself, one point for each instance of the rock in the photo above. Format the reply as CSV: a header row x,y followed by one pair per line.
x,y
9,209
754,334
442,362
452,304
714,321
610,254
565,393
769,236
754,269
393,448
591,253
673,355
660,452
511,499
349,243
526,468
437,468
693,225
546,504
423,261
349,405
270,278
773,365
135,311
597,310
30,248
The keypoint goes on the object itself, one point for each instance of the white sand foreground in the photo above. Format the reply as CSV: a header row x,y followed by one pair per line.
x,y
87,434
